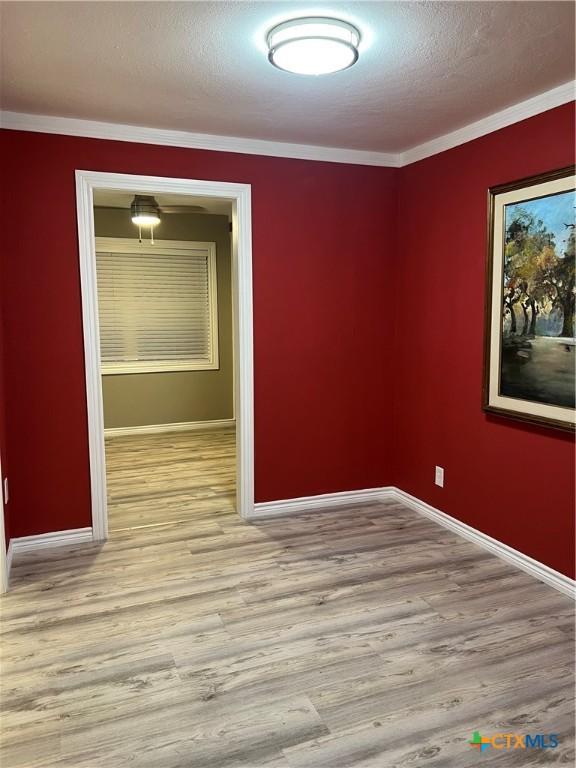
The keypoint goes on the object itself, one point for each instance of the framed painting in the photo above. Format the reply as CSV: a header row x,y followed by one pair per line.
x,y
529,361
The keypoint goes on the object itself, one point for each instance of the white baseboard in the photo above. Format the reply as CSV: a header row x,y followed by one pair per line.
x,y
180,426
534,567
310,503
322,501
7,566
272,509
48,540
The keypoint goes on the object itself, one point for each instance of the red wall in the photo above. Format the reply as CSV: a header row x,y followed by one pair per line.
x,y
323,235
511,481
368,348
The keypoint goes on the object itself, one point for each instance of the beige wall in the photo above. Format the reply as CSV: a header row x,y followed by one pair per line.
x,y
164,398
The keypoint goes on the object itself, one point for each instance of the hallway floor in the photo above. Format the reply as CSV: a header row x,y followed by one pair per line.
x,y
364,636
169,478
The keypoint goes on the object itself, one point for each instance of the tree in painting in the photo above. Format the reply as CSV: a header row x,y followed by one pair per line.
x,y
539,300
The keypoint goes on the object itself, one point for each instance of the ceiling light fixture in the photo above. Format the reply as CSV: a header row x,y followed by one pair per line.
x,y
145,212
313,45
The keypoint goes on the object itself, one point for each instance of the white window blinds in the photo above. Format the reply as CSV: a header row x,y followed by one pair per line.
x,y
157,305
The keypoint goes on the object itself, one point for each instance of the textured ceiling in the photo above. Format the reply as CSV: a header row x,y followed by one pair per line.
x,y
425,68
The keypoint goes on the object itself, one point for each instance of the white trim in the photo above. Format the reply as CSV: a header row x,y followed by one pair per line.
x,y
240,197
535,568
168,248
127,368
514,114
528,564
49,540
5,556
180,426
321,501
66,126
9,557
91,333
272,509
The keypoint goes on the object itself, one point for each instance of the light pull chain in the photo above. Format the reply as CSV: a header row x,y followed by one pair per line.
x,y
151,234
139,233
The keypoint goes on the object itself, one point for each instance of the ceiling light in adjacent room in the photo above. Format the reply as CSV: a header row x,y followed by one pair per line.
x,y
313,46
145,211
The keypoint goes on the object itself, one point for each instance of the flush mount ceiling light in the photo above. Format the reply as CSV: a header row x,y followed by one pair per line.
x,y
313,45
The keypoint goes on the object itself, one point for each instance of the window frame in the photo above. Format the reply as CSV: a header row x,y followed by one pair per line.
x,y
170,247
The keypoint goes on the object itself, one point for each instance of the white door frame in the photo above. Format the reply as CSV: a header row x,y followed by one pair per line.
x,y
4,569
240,198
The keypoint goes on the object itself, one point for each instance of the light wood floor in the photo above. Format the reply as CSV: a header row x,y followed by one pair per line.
x,y
365,636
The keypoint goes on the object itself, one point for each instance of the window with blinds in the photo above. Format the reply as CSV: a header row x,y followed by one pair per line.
x,y
157,305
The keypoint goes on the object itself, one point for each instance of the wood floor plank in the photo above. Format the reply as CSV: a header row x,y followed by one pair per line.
x,y
248,736
436,732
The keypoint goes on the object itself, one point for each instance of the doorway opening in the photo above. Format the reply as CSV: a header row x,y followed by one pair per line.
x,y
167,313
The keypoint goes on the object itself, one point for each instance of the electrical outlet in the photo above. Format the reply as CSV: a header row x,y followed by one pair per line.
x,y
439,476
5,490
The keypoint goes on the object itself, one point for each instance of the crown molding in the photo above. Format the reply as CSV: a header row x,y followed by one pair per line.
x,y
514,114
67,126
